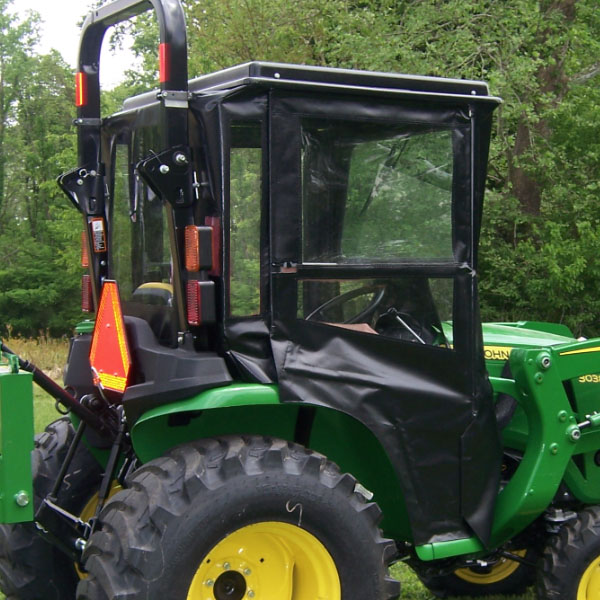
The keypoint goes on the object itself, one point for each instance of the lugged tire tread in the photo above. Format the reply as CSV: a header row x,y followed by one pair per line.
x,y
30,568
564,553
121,547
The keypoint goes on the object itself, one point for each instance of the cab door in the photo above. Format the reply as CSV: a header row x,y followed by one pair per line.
x,y
372,274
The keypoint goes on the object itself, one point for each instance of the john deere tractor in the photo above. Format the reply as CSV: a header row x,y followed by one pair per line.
x,y
284,386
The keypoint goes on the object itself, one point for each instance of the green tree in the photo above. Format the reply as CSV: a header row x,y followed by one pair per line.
x,y
16,43
39,232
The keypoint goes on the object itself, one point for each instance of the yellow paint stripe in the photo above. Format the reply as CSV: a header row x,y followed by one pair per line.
x,y
583,351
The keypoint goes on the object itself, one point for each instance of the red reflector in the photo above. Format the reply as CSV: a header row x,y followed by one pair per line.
x,y
109,353
164,62
194,303
85,263
215,223
81,89
200,296
87,299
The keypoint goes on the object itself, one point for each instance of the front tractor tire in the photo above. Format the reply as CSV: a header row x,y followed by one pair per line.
x,y
30,567
235,518
570,566
499,577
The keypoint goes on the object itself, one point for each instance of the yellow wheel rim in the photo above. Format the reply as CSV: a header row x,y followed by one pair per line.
x,y
589,586
267,561
89,510
494,573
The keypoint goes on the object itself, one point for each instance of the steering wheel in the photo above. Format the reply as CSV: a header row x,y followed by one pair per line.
x,y
378,292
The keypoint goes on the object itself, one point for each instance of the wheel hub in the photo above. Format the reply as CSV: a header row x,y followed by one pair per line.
x,y
230,585
267,560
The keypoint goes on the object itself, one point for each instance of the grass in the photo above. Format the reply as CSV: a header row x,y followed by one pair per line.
x,y
51,355
413,589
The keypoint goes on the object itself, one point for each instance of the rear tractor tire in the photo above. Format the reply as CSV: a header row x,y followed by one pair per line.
x,y
570,566
30,567
239,518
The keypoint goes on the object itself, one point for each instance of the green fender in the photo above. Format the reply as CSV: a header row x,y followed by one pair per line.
x,y
255,409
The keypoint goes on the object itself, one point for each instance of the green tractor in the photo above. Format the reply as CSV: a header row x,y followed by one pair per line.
x,y
286,386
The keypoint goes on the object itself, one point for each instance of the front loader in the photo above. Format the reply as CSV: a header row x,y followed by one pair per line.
x,y
284,385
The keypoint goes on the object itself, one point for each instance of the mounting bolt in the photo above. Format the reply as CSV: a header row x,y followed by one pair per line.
x,y
562,416
573,433
226,566
247,572
164,169
180,158
80,182
209,583
544,361
250,593
22,498
538,377
554,449
80,544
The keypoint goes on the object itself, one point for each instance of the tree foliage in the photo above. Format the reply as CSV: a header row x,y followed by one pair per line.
x,y
541,232
38,231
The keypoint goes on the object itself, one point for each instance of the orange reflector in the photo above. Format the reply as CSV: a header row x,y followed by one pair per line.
x,y
192,248
85,263
109,353
87,299
81,89
164,62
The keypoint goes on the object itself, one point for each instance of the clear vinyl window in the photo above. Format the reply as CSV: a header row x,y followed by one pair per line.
x,y
375,192
411,309
140,252
245,194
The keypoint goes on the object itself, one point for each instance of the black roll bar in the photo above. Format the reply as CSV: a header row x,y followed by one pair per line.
x,y
174,87
85,186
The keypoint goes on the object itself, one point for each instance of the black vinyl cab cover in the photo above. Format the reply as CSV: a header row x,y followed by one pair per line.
x,y
345,209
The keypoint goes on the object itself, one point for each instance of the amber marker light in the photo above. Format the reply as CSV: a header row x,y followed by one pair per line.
x,y
80,89
85,263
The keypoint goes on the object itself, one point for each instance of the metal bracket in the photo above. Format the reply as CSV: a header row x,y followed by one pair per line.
x,y
170,175
11,359
85,188
81,122
174,98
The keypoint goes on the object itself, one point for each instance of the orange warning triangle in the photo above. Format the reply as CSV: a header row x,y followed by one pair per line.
x,y
109,353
